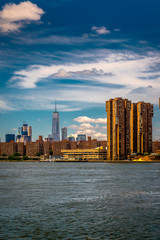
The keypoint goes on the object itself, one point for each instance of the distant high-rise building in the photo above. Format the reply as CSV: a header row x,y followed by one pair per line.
x,y
25,129
71,138
144,127
24,134
30,132
118,128
55,125
10,137
64,133
81,137
133,127
159,102
129,128
20,129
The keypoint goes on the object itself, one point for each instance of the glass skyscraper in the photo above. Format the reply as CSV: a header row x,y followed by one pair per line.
x,y
55,125
10,137
64,133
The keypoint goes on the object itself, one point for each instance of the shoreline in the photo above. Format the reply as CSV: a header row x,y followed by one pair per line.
x,y
87,161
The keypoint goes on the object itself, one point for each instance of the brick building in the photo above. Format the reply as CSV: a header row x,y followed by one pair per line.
x,y
20,148
73,145
8,148
34,148
40,147
88,144
102,143
47,147
118,128
144,127
129,128
155,146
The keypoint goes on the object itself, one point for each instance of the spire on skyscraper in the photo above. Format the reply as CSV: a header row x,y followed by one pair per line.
x,y
55,107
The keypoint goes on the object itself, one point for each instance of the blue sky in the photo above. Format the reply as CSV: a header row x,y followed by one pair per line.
x,y
80,53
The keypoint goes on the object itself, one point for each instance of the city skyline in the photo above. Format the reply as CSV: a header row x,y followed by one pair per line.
x,y
53,51
56,121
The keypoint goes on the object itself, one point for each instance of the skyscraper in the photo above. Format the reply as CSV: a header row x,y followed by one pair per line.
x,y
10,137
71,138
129,128
64,133
144,127
133,127
30,132
118,128
24,134
25,130
55,125
81,137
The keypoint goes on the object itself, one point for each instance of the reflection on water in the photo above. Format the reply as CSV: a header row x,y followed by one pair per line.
x,y
79,201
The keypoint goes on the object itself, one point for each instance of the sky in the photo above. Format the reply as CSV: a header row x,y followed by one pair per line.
x,y
80,53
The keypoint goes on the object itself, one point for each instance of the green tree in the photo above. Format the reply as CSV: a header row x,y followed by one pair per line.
x,y
10,157
146,153
51,152
4,155
16,154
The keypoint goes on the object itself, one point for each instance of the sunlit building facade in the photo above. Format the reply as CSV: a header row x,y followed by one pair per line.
x,y
129,128
144,127
118,128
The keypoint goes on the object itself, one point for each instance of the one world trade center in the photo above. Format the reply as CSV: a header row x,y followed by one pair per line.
x,y
55,125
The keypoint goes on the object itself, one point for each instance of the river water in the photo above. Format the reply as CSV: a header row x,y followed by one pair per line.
x,y
85,201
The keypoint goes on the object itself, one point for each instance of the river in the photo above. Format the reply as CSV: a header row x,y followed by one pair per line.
x,y
79,201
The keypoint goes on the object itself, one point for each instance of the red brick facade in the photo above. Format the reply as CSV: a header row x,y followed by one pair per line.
x,y
8,148
44,148
20,148
155,146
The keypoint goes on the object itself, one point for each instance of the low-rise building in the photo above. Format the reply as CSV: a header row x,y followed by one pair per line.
x,y
35,148
84,154
47,147
8,148
155,146
20,148
41,147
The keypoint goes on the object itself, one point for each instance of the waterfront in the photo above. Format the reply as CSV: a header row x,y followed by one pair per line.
x,y
79,201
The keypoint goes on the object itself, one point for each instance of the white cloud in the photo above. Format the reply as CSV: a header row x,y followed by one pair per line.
x,y
130,72
14,16
82,127
126,69
85,119
100,30
67,40
96,132
61,74
14,129
38,102
5,106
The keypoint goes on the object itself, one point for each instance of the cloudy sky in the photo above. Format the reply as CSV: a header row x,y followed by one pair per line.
x,y
80,53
